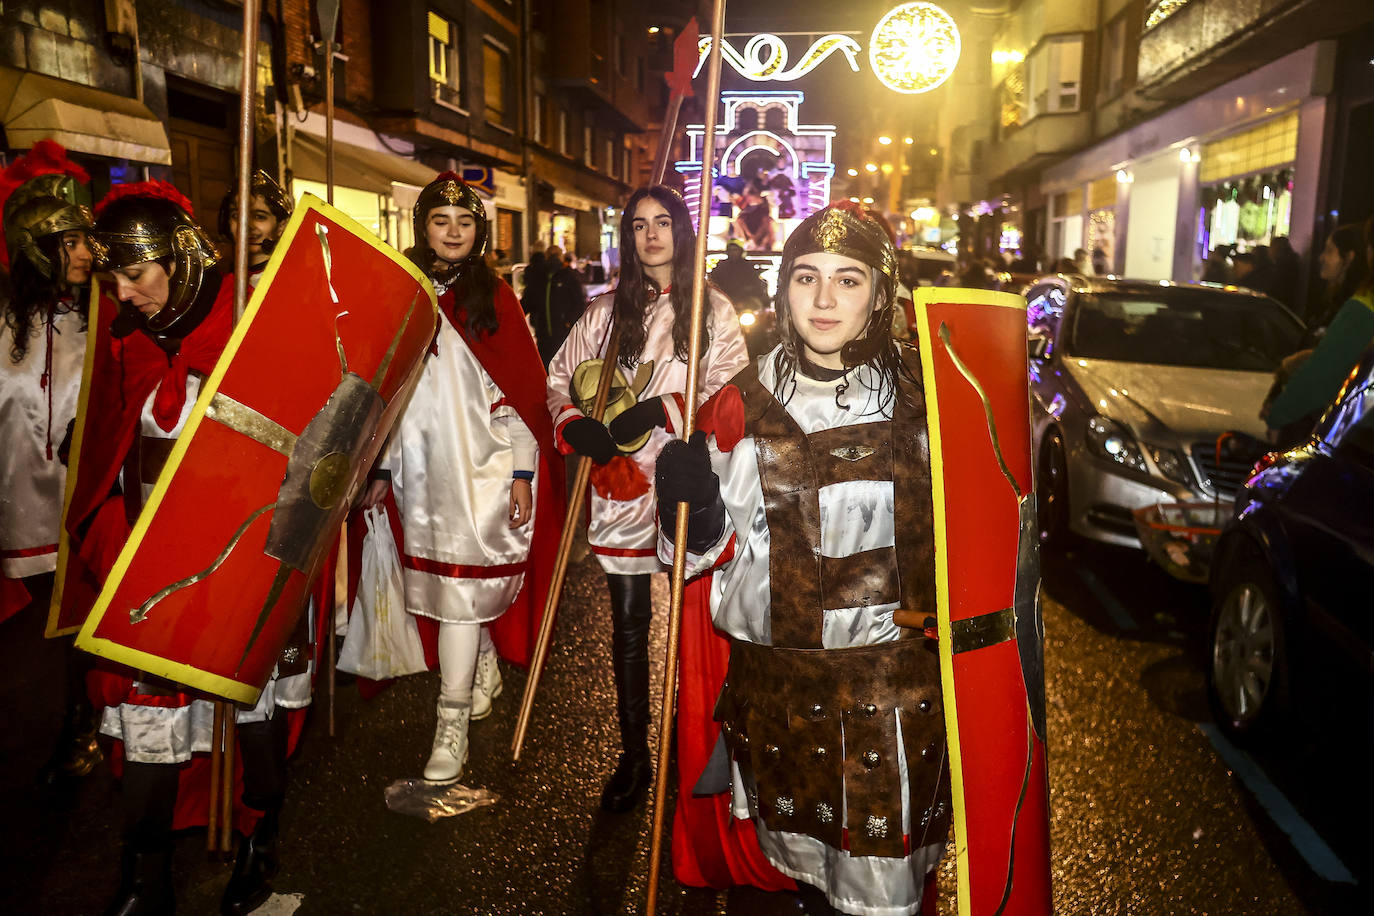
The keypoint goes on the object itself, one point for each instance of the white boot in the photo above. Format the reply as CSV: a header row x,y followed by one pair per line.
x,y
450,744
486,686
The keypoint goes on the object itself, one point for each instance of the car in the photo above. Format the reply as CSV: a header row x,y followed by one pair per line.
x,y
1292,577
1133,382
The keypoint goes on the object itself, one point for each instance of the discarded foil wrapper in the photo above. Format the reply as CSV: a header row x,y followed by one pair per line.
x,y
431,802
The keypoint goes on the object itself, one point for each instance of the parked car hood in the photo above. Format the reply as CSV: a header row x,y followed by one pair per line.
x,y
1188,402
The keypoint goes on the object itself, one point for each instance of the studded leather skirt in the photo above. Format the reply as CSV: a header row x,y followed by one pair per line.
x,y
817,731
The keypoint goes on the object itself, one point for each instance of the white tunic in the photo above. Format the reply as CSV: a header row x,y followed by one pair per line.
x,y
32,484
622,532
171,734
451,461
855,516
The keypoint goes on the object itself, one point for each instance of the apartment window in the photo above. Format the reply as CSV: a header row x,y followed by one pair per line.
x,y
445,63
564,138
588,150
537,119
625,165
610,156
1056,75
1011,102
620,66
1113,58
496,82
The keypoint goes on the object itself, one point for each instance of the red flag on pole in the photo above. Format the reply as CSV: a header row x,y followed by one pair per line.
x,y
685,57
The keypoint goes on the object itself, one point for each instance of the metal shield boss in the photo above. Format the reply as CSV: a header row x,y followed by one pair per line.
x,y
216,573
973,356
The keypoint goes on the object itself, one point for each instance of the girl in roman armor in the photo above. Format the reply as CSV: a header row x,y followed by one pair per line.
x,y
809,484
42,346
649,311
268,210
468,464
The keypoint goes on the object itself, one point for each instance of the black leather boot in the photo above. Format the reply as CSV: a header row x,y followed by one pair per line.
x,y
254,867
631,611
263,749
145,884
76,752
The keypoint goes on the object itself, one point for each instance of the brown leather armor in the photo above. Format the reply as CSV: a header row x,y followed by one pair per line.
x,y
817,728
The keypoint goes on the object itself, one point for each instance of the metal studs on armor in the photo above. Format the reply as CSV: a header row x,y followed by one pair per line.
x,y
871,758
940,810
925,818
876,826
743,740
869,710
928,751
818,754
924,705
783,805
817,711
824,813
291,654
773,751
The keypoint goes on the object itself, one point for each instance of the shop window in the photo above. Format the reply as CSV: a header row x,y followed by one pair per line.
x,y
1274,143
1245,213
496,82
445,60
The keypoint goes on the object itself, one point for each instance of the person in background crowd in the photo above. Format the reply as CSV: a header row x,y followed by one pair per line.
x,y
1065,266
1101,266
470,465
1028,262
1082,263
174,319
42,351
269,208
650,310
1287,271
738,279
1342,269
1215,269
1308,381
868,838
555,308
977,275
533,279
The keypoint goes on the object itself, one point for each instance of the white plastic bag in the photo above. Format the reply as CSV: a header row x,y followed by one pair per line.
x,y
383,641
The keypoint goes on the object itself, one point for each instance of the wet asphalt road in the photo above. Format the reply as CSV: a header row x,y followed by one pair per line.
x,y
1148,814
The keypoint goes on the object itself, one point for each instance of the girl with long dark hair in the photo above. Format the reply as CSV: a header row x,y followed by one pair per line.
x,y
650,310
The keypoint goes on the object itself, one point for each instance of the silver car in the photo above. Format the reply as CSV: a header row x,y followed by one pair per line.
x,y
1132,383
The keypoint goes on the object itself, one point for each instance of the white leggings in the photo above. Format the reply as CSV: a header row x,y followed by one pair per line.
x,y
459,645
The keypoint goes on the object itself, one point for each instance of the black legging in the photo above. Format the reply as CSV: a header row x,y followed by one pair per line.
x,y
631,611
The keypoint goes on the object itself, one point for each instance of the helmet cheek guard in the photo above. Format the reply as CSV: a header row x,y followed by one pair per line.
x,y
191,254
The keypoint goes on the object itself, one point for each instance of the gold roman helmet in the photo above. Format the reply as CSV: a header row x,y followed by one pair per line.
x,y
847,229
448,190
137,227
262,185
40,207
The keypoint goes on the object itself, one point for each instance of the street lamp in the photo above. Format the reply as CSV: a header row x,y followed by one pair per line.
x,y
908,140
885,140
870,167
853,173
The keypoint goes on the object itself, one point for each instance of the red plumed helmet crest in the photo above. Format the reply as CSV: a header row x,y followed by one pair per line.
x,y
159,189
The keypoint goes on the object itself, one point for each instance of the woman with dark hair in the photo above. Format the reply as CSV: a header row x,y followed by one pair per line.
x,y
1342,268
650,312
42,349
809,482
1308,380
478,495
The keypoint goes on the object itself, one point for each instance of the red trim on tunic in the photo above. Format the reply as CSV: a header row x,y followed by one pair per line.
x,y
21,552
623,552
462,570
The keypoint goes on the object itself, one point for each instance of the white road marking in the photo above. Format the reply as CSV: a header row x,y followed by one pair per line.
x,y
1309,844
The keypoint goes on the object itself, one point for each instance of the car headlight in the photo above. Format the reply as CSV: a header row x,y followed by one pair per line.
x,y
1169,462
1110,440
747,319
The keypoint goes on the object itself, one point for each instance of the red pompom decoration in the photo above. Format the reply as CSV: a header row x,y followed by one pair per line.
x,y
159,189
448,175
620,480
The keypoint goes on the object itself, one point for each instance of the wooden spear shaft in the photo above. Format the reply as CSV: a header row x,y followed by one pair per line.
x,y
669,708
219,835
582,478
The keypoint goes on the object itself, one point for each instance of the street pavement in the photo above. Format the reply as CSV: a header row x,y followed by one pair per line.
x,y
1149,815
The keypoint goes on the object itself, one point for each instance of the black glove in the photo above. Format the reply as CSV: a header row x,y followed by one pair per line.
x,y
590,438
637,421
683,475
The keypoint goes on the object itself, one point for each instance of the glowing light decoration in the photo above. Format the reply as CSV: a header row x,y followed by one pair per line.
x,y
765,56
914,48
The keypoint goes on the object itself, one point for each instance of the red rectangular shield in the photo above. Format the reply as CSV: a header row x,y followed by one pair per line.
x,y
215,574
973,354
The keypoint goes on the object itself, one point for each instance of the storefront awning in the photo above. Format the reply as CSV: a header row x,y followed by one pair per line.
x,y
356,166
82,119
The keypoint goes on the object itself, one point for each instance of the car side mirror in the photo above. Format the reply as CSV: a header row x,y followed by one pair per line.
x,y
1037,346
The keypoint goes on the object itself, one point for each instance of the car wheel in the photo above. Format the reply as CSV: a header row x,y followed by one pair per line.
x,y
1052,492
1247,675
